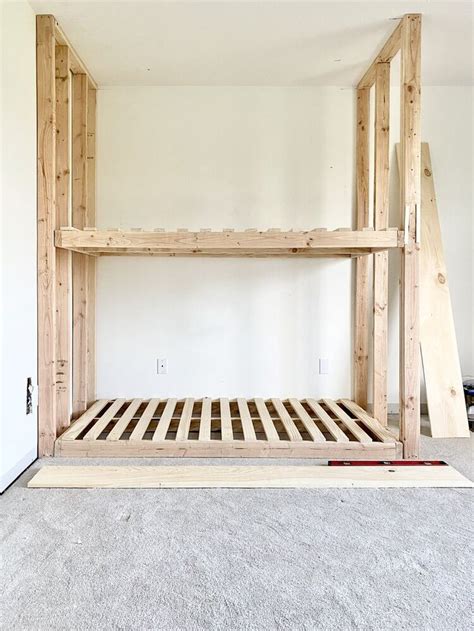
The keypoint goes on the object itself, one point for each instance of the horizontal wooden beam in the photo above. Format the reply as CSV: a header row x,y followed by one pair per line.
x,y
228,243
388,52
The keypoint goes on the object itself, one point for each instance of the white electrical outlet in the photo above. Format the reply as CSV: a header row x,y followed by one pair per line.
x,y
162,366
323,366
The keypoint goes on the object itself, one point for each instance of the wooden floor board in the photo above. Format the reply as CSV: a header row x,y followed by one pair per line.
x,y
267,476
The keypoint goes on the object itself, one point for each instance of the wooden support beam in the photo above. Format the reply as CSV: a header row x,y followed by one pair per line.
x,y
410,183
381,210
361,313
91,221
46,214
388,52
293,243
77,66
80,263
63,258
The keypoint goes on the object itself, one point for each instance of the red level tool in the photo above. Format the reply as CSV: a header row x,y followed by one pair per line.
x,y
381,463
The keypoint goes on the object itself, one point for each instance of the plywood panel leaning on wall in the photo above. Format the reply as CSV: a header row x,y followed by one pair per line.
x,y
439,351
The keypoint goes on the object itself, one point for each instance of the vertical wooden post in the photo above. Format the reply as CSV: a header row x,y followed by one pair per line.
x,y
63,321
361,323
46,213
91,221
80,263
381,209
410,183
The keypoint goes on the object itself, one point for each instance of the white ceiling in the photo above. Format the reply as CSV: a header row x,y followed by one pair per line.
x,y
257,43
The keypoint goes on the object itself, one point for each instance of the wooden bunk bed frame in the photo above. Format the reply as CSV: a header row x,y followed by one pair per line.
x,y
72,422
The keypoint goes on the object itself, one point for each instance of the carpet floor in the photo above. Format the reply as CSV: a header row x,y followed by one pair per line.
x,y
235,559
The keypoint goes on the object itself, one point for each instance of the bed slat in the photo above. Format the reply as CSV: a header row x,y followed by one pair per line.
x,y
311,427
351,425
246,419
267,422
377,428
332,427
165,420
97,429
144,420
205,423
83,421
122,424
185,420
287,421
226,423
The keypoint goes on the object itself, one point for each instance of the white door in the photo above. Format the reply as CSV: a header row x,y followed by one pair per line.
x,y
18,343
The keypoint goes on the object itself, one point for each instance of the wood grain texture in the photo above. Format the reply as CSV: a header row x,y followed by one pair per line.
x,y
268,476
439,350
361,297
388,52
80,263
91,262
46,255
76,63
381,210
410,182
228,428
269,243
63,258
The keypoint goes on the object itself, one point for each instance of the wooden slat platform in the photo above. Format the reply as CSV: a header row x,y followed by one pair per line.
x,y
228,428
251,243
246,477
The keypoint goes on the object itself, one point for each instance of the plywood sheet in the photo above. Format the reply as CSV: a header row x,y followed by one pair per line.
x,y
439,351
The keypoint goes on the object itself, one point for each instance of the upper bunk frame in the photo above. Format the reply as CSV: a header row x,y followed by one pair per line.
x,y
68,242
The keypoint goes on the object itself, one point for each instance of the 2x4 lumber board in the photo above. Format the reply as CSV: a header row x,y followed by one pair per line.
x,y
361,299
46,217
311,427
288,423
91,221
80,263
205,421
165,420
410,182
123,422
77,65
221,449
78,426
388,52
267,423
226,422
96,430
346,420
222,242
439,350
184,425
331,426
63,258
246,420
144,420
381,210
267,476
380,432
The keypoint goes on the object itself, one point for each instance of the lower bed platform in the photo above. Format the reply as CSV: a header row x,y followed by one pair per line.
x,y
213,428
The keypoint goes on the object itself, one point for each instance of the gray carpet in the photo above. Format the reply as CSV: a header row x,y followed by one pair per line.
x,y
239,559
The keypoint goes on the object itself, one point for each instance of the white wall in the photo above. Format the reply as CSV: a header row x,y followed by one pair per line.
x,y
248,157
18,432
